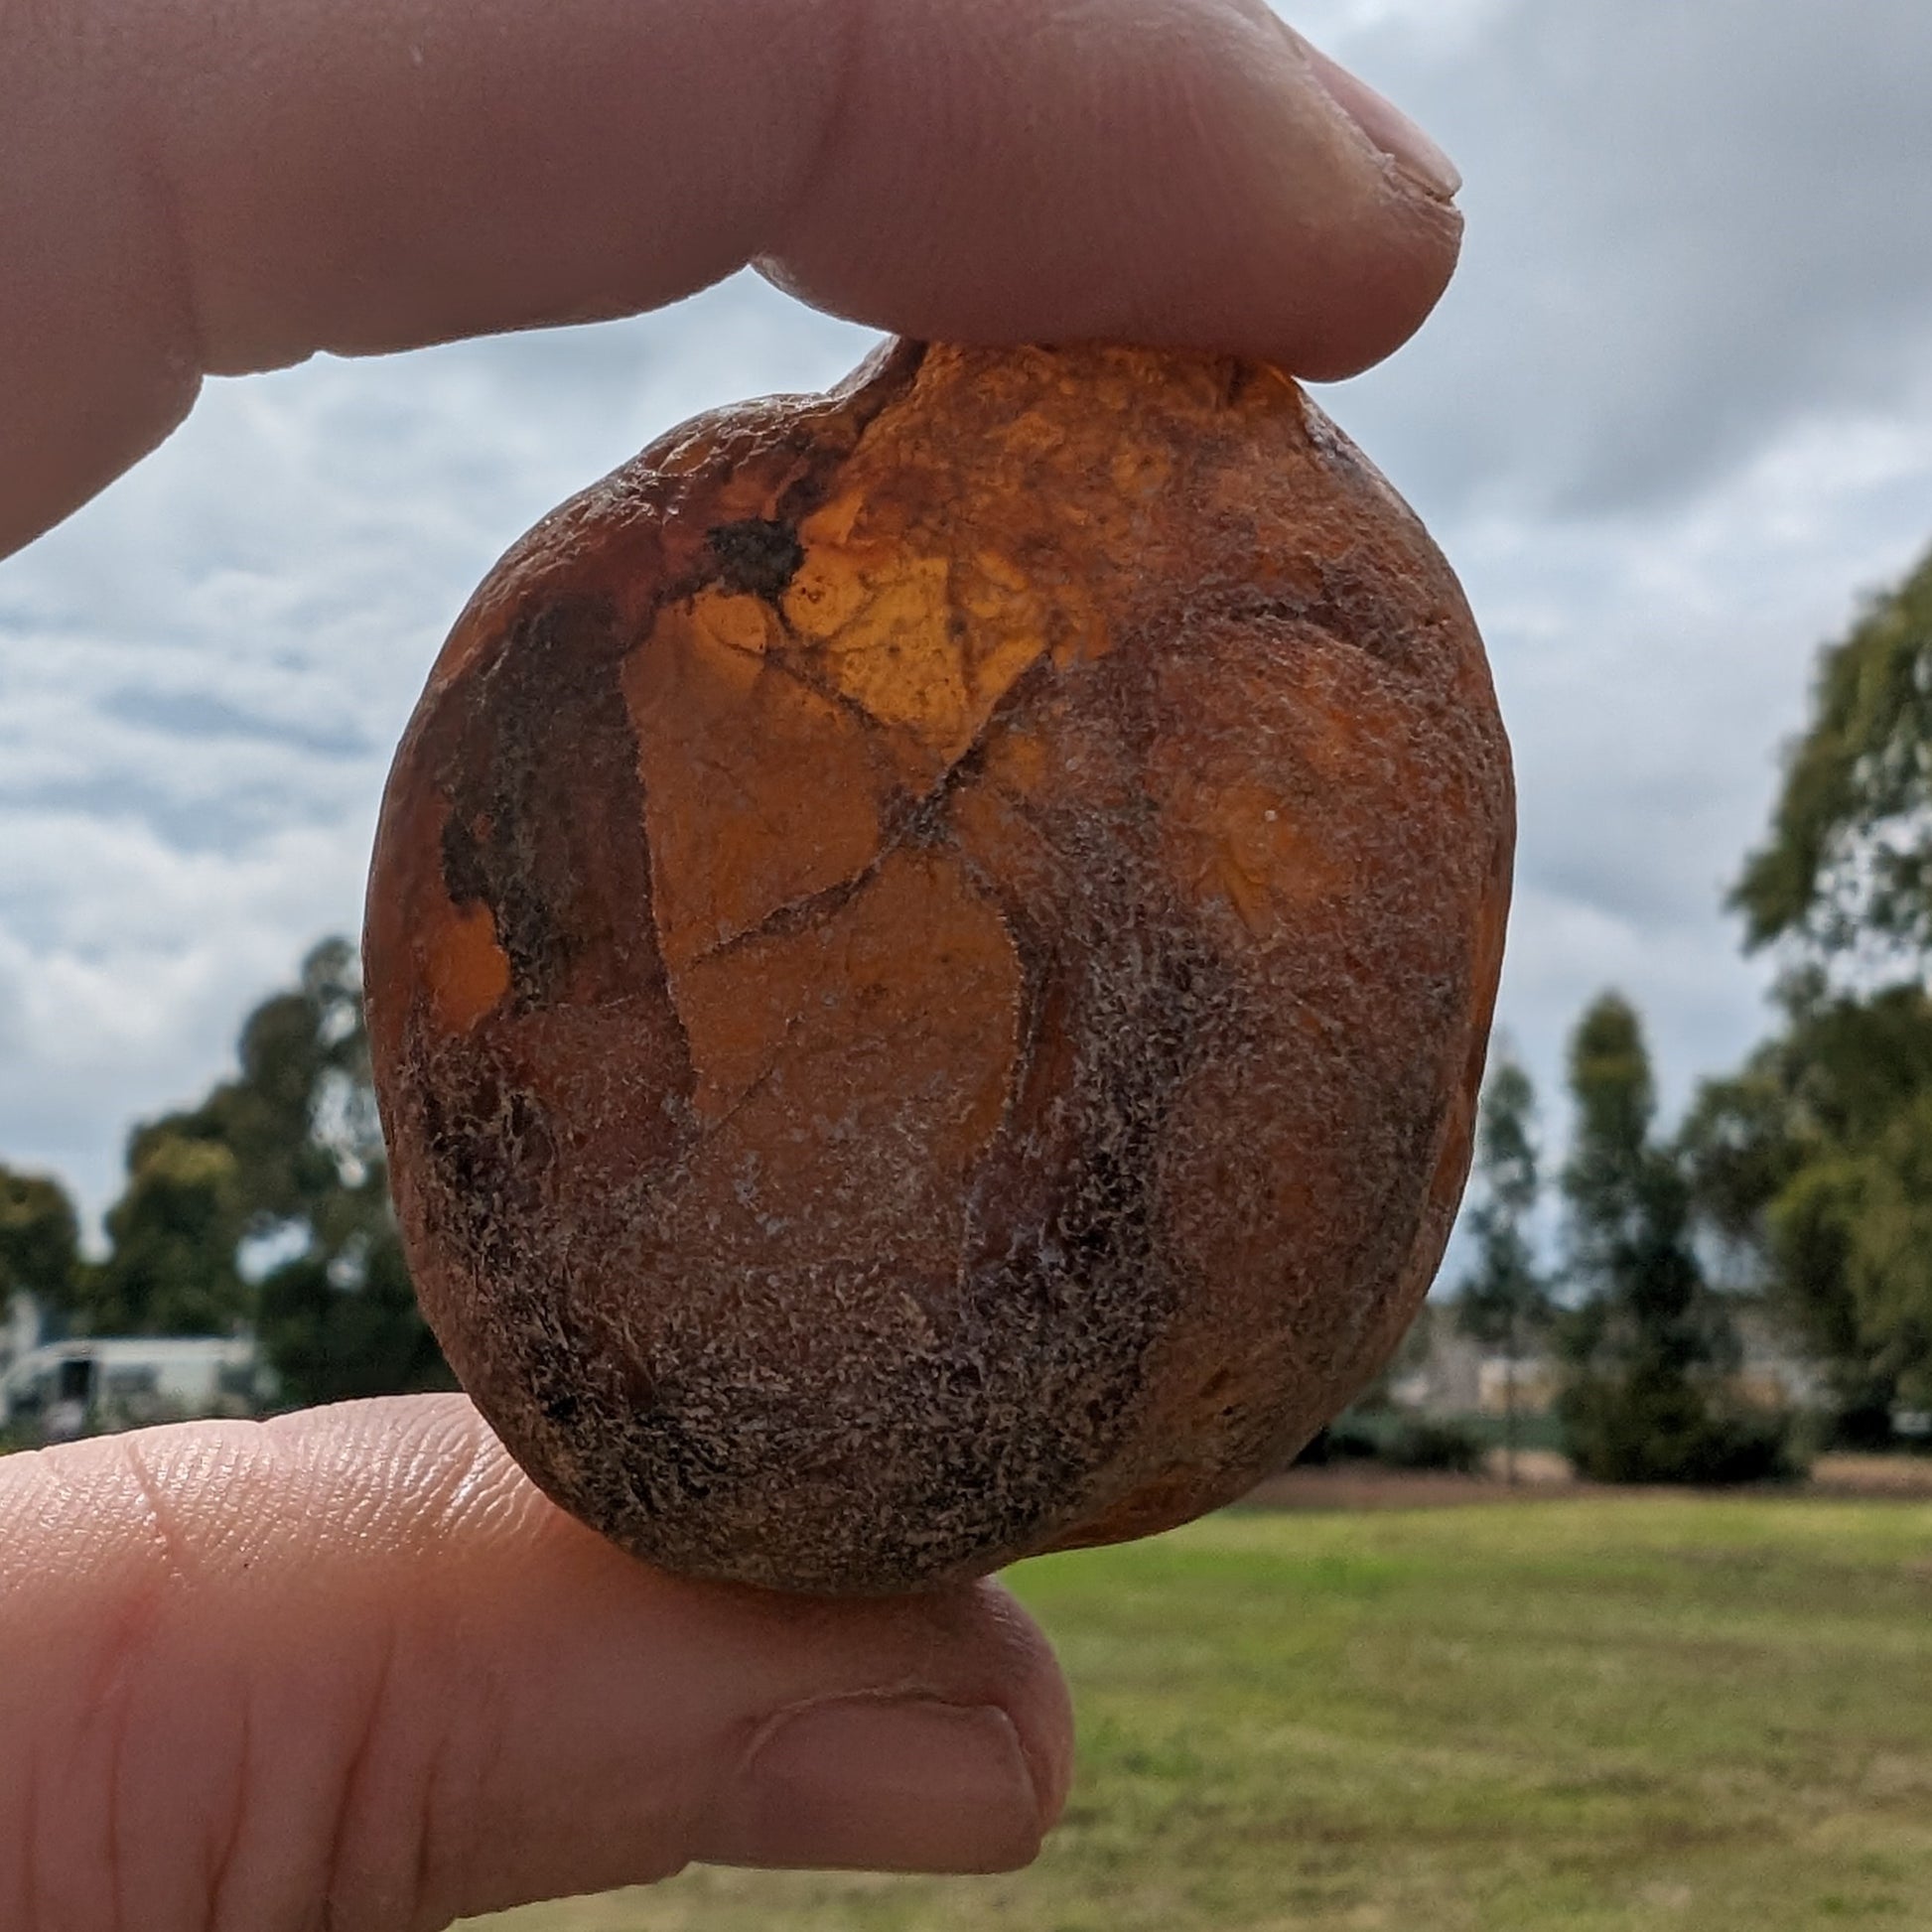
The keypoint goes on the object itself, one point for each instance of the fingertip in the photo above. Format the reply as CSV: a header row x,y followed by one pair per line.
x,y
938,1737
1039,1700
1414,154
883,1784
1365,319
1202,181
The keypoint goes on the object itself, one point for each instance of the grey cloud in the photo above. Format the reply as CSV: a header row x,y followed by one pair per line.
x,y
1689,226
203,715
223,821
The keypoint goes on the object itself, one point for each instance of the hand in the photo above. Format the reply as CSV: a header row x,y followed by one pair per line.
x,y
349,1667
350,1664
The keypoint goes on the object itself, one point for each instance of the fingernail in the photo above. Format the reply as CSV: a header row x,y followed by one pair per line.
x,y
910,1785
1415,155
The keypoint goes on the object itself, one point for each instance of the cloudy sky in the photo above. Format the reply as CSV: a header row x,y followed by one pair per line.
x,y
1672,423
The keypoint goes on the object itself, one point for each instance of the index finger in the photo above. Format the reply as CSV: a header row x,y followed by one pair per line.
x,y
198,186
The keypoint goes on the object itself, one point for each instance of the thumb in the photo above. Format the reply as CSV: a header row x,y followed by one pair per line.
x,y
350,1667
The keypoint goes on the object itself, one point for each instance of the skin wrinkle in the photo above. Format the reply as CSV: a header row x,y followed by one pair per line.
x,y
458,1490
460,1777
427,1832
341,1881
479,1736
123,1871
103,1726
33,1865
122,1712
36,1859
95,1758
221,1872
169,1540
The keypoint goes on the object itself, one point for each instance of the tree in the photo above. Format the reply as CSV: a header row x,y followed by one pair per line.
x,y
1847,868
1648,1344
1831,1118
337,1316
172,1268
1810,1162
348,1326
293,1199
40,1240
1503,1303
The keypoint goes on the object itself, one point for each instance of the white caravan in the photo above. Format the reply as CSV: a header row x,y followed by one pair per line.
x,y
64,1388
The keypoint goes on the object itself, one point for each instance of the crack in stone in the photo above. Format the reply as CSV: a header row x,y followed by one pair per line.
x,y
913,825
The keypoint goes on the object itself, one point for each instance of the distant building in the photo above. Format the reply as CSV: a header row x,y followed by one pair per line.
x,y
1530,1385
1440,1370
1773,1374
1456,1377
1443,1373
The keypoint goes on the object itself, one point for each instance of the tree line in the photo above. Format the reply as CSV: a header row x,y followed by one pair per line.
x,y
266,1205
1798,1185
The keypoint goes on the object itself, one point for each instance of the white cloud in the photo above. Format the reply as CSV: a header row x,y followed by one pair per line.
x,y
1650,667
138,960
1689,226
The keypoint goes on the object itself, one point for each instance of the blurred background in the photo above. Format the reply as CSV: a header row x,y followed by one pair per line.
x,y
1673,424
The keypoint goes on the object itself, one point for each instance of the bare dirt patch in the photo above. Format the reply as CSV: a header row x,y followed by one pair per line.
x,y
1872,1475
1354,1487
1543,1474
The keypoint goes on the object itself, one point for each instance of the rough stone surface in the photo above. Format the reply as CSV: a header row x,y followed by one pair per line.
x,y
929,958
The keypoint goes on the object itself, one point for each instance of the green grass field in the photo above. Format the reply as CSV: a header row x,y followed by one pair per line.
x,y
1596,1713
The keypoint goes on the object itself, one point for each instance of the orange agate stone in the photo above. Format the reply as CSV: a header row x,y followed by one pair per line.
x,y
928,961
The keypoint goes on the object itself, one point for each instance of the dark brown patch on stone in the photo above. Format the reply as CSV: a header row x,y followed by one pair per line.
x,y
569,893
756,555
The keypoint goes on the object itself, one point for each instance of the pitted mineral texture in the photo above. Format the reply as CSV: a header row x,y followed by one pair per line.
x,y
929,958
